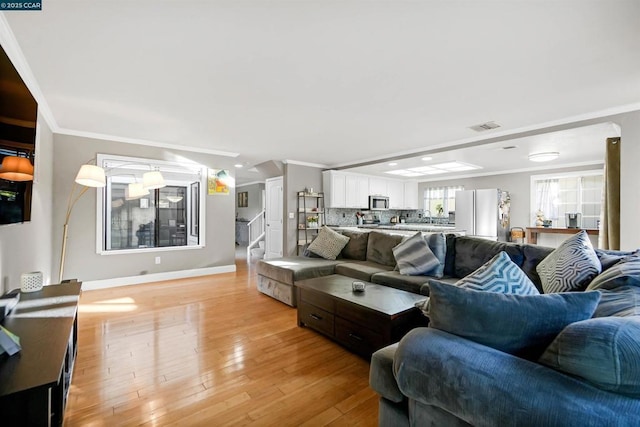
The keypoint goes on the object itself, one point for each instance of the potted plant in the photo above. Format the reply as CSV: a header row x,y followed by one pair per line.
x,y
312,222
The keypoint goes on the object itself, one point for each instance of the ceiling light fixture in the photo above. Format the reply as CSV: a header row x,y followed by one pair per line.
x,y
393,164
544,157
238,165
426,159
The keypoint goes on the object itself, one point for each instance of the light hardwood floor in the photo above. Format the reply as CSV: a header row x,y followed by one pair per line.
x,y
209,351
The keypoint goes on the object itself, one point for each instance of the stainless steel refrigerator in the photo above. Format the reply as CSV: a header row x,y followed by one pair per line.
x,y
484,213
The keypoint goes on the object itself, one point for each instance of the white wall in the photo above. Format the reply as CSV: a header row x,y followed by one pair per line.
x,y
85,264
27,247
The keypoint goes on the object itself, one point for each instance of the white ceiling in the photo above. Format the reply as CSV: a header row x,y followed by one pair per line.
x,y
326,82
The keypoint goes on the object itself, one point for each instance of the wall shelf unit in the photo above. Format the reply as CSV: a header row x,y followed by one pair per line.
x,y
310,218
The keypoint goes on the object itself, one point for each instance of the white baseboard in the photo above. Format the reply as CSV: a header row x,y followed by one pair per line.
x,y
156,277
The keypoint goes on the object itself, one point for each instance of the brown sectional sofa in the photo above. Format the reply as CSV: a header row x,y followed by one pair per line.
x,y
368,256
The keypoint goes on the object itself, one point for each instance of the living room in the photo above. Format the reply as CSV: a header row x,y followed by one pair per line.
x,y
284,91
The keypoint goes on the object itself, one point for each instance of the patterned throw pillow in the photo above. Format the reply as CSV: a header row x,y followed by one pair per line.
x,y
438,244
499,274
414,256
328,244
571,266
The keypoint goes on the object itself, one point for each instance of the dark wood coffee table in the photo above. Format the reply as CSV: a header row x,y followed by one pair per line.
x,y
361,321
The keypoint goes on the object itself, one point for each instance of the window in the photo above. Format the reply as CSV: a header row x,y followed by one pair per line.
x,y
556,195
165,217
439,201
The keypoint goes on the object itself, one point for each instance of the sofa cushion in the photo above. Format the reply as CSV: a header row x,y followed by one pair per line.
x,y
394,279
414,257
290,269
380,248
328,244
625,273
609,258
604,351
472,252
571,266
523,325
361,270
499,274
533,254
622,301
356,248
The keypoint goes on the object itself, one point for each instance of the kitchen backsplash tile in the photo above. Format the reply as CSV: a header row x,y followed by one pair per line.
x,y
347,217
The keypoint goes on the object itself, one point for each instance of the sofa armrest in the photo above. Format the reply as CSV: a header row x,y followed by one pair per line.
x,y
486,387
381,378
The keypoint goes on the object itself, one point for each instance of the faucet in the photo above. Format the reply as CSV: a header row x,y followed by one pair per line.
x,y
425,214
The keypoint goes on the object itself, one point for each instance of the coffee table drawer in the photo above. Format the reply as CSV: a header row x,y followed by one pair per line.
x,y
361,340
324,301
316,318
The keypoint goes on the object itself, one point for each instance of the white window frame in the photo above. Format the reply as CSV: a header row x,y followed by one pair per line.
x,y
534,178
107,161
445,199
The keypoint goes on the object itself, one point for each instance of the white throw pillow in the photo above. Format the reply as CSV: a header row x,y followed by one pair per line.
x,y
328,244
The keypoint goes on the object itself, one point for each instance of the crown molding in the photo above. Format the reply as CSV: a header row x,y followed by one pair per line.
x,y
299,163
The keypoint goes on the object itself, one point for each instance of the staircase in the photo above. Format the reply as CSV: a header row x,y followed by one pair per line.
x,y
256,236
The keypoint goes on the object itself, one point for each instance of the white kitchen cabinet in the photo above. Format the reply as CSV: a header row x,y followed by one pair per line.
x,y
356,191
334,186
378,186
395,190
411,199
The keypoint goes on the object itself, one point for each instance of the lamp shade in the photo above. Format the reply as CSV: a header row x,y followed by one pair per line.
x,y
544,157
152,180
91,176
16,168
135,191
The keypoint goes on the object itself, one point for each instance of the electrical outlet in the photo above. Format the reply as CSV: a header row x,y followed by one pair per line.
x,y
291,215
158,260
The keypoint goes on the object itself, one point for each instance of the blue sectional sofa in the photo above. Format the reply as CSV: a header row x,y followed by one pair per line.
x,y
589,375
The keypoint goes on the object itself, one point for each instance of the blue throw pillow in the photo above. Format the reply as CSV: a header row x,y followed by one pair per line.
x,y
499,274
414,257
604,351
571,266
523,325
625,273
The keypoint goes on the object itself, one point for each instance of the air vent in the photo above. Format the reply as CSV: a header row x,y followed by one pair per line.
x,y
509,147
485,126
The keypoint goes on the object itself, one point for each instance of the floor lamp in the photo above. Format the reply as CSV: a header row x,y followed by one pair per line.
x,y
89,176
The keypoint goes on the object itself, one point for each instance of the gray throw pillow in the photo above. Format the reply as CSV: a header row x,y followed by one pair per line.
x,y
523,325
380,248
438,244
571,266
499,274
328,244
603,351
414,256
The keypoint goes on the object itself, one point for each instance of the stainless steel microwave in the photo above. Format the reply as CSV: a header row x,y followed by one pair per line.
x,y
378,203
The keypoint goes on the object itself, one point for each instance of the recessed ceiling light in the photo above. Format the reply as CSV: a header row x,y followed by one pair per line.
x,y
426,159
393,164
544,157
238,165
